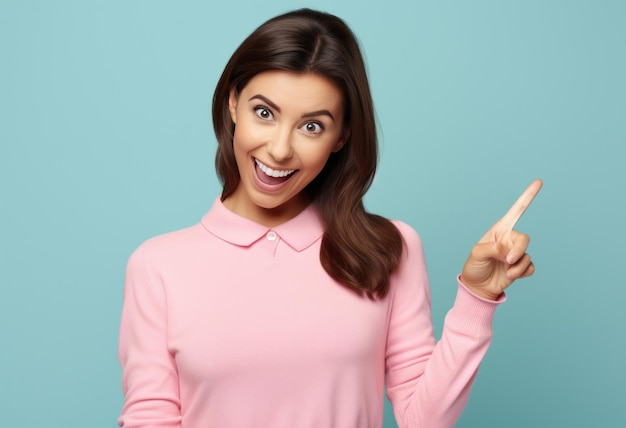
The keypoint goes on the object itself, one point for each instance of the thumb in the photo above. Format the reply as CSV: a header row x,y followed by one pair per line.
x,y
486,251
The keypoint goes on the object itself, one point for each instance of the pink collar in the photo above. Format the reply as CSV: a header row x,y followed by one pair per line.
x,y
299,233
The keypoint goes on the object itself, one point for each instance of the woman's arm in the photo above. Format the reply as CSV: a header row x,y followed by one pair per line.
x,y
150,378
428,383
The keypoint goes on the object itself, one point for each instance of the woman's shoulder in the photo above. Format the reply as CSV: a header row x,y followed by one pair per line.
x,y
166,244
408,233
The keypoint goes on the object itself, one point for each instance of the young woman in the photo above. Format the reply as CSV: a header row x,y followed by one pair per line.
x,y
289,305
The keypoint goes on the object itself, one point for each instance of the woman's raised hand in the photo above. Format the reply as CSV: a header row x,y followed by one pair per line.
x,y
500,257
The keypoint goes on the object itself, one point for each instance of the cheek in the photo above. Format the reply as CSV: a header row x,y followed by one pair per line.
x,y
247,136
316,157
240,148
240,140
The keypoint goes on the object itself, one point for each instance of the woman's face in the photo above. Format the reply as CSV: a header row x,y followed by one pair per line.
x,y
286,127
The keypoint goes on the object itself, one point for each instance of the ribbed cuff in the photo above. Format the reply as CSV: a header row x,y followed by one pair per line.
x,y
472,313
501,298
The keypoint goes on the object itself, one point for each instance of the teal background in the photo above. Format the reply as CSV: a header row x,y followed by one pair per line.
x,y
106,140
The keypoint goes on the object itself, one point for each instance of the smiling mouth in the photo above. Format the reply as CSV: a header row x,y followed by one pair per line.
x,y
272,176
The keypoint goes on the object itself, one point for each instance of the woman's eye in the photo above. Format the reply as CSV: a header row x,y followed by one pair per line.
x,y
312,127
263,113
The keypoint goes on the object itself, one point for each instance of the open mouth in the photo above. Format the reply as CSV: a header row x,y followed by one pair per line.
x,y
272,176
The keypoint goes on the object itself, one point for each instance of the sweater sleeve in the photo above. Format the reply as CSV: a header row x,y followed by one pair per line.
x,y
428,383
150,378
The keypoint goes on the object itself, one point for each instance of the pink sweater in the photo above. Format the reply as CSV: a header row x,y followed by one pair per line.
x,y
231,324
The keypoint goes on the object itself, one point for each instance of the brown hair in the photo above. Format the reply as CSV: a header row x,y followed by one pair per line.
x,y
360,250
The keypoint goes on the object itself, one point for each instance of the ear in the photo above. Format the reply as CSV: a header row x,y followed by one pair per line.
x,y
232,105
343,139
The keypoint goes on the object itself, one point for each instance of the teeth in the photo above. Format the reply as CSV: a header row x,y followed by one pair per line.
x,y
272,172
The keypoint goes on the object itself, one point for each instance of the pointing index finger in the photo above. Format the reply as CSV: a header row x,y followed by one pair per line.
x,y
523,202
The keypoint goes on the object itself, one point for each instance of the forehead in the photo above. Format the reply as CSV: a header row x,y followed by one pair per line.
x,y
299,91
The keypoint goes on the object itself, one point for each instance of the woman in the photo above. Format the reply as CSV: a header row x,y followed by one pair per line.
x,y
289,305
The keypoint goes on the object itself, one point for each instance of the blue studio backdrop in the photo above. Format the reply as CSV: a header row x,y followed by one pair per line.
x,y
106,140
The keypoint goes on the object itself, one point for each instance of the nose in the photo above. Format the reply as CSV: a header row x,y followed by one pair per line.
x,y
279,147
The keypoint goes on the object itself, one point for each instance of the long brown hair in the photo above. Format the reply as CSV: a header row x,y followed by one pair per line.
x,y
360,250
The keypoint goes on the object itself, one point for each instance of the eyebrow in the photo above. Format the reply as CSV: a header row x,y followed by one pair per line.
x,y
275,107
